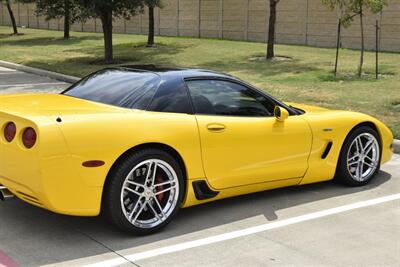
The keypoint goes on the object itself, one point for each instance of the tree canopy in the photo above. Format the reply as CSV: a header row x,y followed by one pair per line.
x,y
107,11
118,8
356,8
58,9
154,3
352,8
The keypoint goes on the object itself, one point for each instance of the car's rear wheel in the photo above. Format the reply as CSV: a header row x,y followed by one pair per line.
x,y
144,192
360,157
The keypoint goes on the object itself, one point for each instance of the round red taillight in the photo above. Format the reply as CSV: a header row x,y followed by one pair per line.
x,y
29,137
10,131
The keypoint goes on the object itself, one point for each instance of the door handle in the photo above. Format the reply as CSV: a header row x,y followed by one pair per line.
x,y
216,127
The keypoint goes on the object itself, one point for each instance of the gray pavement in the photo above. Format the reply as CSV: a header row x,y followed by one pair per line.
x,y
366,236
13,81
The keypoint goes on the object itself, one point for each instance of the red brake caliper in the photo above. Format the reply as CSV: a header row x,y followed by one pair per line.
x,y
159,180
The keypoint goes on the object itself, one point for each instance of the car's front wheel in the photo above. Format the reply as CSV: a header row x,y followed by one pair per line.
x,y
360,157
144,192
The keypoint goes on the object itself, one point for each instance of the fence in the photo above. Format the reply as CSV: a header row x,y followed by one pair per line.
x,y
305,22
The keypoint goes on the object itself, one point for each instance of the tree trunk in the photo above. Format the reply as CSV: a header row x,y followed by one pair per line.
x,y
377,28
106,20
14,24
271,30
360,67
338,45
150,37
67,19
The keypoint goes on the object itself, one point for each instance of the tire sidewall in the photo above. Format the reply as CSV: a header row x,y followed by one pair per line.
x,y
112,199
343,174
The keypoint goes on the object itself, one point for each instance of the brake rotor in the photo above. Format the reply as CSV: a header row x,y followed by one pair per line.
x,y
159,180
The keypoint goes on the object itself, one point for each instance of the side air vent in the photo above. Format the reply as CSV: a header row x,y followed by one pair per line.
x,y
202,190
326,151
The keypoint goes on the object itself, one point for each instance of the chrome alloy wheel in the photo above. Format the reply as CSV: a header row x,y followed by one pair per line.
x,y
150,193
363,157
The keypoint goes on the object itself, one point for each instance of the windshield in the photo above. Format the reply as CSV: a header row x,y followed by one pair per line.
x,y
117,87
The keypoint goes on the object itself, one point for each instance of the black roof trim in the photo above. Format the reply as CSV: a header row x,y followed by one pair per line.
x,y
151,68
163,69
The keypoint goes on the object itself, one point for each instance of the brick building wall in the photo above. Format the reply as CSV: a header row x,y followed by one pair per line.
x,y
305,22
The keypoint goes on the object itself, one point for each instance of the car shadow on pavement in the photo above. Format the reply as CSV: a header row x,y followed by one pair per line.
x,y
64,238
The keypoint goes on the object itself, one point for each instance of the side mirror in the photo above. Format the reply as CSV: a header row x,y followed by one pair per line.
x,y
280,113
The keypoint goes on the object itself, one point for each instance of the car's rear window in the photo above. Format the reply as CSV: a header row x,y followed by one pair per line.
x,y
118,87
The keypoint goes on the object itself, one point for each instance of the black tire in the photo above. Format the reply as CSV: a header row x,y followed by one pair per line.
x,y
111,203
343,174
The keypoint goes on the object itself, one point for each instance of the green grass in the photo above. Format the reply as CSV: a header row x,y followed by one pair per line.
x,y
306,78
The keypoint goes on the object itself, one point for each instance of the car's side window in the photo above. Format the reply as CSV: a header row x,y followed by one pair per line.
x,y
171,97
220,97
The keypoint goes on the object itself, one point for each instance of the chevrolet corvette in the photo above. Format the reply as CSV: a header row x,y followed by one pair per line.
x,y
137,143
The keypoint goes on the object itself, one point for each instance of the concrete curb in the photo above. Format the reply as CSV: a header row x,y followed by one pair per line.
x,y
40,72
396,146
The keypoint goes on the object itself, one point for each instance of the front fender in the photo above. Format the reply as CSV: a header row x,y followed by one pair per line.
x,y
334,127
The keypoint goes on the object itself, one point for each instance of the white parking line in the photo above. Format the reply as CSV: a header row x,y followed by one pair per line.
x,y
243,232
30,84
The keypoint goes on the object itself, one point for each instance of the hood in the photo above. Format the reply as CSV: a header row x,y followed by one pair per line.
x,y
307,108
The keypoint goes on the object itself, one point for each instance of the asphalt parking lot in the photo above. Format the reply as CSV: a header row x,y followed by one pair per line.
x,y
13,81
324,224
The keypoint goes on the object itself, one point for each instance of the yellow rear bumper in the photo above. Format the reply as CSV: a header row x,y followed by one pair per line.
x,y
47,175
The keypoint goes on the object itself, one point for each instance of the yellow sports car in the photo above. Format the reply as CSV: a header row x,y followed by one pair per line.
x,y
137,143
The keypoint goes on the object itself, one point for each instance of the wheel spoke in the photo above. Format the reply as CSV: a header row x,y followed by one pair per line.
x,y
165,190
161,218
352,163
352,158
356,144
148,171
360,171
369,158
363,156
358,147
139,212
371,165
131,190
368,146
151,173
369,149
143,206
138,202
134,183
154,174
159,207
164,183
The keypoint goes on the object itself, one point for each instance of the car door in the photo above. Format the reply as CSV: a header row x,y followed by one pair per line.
x,y
242,143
